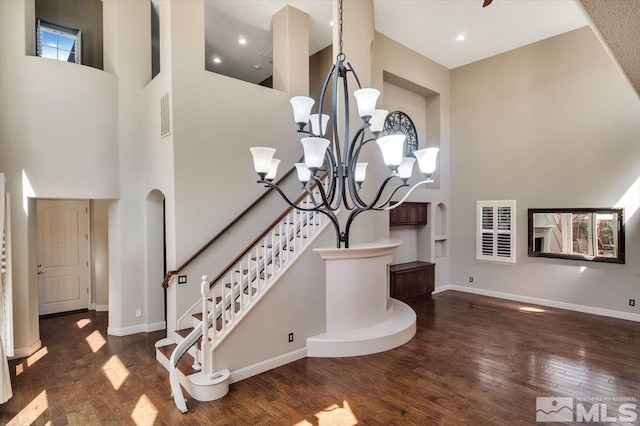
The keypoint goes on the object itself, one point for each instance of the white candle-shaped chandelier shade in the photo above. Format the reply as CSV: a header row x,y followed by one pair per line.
x,y
377,121
319,126
427,159
314,149
366,99
262,157
274,169
392,147
301,108
405,170
361,172
304,174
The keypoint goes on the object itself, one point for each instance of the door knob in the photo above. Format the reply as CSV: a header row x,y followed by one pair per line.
x,y
41,272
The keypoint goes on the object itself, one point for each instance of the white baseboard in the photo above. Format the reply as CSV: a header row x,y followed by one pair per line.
x,y
102,308
126,331
269,364
28,351
543,302
92,306
140,328
156,326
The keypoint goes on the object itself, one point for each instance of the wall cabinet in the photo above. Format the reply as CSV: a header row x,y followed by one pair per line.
x,y
411,280
409,214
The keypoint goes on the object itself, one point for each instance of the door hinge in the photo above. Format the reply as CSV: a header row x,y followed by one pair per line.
x,y
86,209
87,290
87,263
86,237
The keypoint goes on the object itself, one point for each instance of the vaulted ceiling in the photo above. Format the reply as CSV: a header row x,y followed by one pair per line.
x,y
433,28
618,22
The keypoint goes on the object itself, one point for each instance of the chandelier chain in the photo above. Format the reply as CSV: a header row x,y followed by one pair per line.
x,y
341,55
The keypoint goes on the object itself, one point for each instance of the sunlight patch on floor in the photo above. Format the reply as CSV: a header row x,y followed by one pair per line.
x,y
95,341
144,413
83,322
530,309
333,415
115,371
36,356
31,412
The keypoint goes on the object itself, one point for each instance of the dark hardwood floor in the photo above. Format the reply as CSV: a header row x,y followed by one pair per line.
x,y
475,360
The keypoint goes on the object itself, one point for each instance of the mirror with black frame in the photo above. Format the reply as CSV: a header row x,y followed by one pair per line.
x,y
593,234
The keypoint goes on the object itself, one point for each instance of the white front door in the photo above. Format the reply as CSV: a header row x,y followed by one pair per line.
x,y
63,267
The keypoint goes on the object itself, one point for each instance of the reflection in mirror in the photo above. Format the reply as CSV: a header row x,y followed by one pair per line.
x,y
580,234
239,35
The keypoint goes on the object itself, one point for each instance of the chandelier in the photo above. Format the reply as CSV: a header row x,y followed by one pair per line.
x,y
344,174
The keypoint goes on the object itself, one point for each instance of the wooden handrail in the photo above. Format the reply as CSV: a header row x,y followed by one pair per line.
x,y
264,233
169,274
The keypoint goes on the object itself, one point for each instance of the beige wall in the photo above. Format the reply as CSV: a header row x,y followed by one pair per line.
x,y
553,124
407,80
54,144
100,254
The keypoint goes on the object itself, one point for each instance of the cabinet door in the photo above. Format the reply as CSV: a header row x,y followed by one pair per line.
x,y
421,282
422,214
401,285
412,213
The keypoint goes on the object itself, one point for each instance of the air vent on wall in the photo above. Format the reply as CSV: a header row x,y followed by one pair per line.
x,y
165,121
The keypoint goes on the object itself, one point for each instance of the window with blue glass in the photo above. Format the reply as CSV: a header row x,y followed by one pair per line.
x,y
59,43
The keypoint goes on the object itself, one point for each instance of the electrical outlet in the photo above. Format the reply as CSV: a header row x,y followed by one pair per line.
x,y
632,302
182,279
138,313
470,279
290,337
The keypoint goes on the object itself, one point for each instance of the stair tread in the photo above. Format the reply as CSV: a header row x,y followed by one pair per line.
x,y
198,315
185,363
253,289
184,332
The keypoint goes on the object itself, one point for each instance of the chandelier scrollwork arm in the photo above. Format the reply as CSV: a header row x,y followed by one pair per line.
x,y
339,157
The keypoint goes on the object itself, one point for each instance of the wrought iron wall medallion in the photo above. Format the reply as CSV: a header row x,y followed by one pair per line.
x,y
399,122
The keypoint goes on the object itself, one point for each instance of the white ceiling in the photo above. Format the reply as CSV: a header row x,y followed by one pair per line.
x,y
429,27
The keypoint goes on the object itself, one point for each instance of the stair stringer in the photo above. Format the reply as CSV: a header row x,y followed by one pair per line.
x,y
294,303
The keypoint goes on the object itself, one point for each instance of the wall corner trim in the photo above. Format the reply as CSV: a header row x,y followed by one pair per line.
x,y
266,365
543,302
28,351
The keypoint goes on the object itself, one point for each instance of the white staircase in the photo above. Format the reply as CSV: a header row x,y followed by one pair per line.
x,y
226,299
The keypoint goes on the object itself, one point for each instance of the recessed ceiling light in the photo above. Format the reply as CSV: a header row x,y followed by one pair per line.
x,y
331,23
242,40
460,37
217,60
257,67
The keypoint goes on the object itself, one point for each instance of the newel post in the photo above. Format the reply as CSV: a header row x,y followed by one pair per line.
x,y
204,291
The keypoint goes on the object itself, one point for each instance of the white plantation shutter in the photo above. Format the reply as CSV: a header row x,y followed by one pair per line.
x,y
496,236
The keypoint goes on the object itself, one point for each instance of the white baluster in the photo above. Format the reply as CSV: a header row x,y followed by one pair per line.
x,y
264,264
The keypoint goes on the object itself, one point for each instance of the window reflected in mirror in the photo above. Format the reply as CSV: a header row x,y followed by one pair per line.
x,y
579,234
